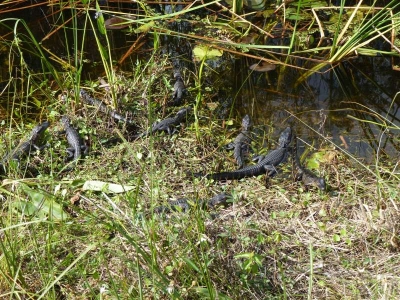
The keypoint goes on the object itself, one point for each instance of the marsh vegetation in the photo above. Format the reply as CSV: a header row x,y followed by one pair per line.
x,y
328,69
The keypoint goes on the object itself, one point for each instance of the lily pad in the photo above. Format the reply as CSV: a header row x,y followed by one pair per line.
x,y
201,52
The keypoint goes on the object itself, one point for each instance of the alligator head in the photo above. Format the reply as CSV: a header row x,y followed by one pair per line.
x,y
285,138
246,123
182,112
39,129
65,120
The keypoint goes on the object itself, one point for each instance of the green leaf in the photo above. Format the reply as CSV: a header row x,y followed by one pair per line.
x,y
258,259
321,226
100,20
42,205
145,27
324,156
201,52
26,208
77,183
103,51
336,238
313,162
101,186
248,255
192,264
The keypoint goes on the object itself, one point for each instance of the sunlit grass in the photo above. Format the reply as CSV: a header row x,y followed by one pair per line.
x,y
111,245
278,242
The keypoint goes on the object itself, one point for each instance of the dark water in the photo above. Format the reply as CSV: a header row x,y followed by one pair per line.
x,y
344,102
336,105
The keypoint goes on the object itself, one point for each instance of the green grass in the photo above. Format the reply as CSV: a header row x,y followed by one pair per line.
x,y
281,241
275,242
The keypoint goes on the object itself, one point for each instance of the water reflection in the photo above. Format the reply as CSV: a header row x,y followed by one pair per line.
x,y
348,101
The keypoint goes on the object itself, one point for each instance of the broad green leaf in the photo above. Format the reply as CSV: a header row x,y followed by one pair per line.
x,y
101,186
26,208
201,52
42,205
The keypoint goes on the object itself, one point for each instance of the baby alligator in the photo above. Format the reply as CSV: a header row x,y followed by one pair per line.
x,y
76,146
305,175
168,123
241,143
24,148
267,164
179,88
184,204
102,107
